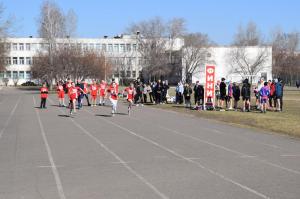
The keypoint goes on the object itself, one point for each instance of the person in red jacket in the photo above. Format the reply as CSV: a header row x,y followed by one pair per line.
x,y
94,92
102,92
60,94
113,90
44,95
73,95
130,95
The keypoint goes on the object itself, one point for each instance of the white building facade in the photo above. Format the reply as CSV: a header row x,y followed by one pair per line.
x,y
221,58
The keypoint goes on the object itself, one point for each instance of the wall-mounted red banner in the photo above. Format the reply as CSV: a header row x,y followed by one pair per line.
x,y
209,84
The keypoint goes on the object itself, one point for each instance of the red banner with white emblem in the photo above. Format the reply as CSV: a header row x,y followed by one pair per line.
x,y
209,84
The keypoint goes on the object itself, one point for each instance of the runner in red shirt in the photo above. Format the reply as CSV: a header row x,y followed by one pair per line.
x,y
113,90
61,94
73,95
94,92
130,95
102,92
44,95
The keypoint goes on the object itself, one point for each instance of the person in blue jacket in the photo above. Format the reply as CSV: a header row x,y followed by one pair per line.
x,y
279,94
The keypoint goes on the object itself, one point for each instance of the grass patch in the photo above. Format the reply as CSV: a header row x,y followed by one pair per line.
x,y
286,122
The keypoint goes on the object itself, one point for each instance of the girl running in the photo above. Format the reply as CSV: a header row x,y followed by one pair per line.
x,y
130,95
61,95
94,92
73,95
102,89
113,97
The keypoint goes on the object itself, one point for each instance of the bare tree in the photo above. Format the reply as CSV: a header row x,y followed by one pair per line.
x,y
248,36
71,23
285,57
154,36
5,27
195,54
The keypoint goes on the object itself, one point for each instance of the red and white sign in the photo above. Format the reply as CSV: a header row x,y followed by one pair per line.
x,y
209,83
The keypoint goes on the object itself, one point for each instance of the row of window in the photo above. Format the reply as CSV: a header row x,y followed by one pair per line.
x,y
18,60
15,74
85,46
125,74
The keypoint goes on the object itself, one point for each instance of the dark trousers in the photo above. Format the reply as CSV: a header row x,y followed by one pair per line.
x,y
151,97
79,100
158,98
43,102
145,98
87,98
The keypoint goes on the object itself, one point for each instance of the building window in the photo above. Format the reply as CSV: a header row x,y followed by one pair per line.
x,y
134,47
128,73
122,47
98,46
15,46
85,46
21,75
33,46
122,73
116,48
133,74
28,61
104,47
28,46
92,46
21,61
15,60
28,75
7,61
110,48
15,74
21,46
128,47
8,74
79,46
8,46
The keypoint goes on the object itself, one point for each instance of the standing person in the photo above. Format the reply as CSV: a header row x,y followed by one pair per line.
x,y
154,93
279,94
130,95
165,88
79,95
229,95
181,90
236,92
44,95
102,92
60,94
217,93
145,92
158,90
246,94
297,84
113,97
149,90
94,92
264,94
257,96
73,95
84,87
199,95
222,93
272,97
187,92
139,94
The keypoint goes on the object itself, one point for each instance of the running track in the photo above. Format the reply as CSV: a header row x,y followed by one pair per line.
x,y
152,154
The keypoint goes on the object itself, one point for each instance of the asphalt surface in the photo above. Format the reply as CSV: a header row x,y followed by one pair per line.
x,y
151,154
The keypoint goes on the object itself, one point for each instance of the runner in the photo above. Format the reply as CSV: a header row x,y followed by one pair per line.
x,y
94,92
60,94
102,92
130,95
73,95
84,87
113,90
44,96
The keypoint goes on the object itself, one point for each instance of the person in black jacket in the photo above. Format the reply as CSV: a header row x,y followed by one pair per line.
x,y
198,94
246,94
222,92
158,91
187,92
236,92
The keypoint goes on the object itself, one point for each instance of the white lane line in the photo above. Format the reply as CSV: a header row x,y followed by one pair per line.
x,y
288,155
227,149
9,118
49,166
118,158
187,159
50,157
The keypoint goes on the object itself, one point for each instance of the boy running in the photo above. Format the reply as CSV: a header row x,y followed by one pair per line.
x,y
113,97
73,95
130,95
44,96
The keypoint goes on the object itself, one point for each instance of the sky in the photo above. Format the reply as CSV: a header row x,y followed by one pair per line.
x,y
219,19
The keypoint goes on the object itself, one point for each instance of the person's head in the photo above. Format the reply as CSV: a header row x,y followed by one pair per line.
x,y
197,82
223,79
44,84
73,84
234,83
265,83
102,81
114,84
131,85
246,81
